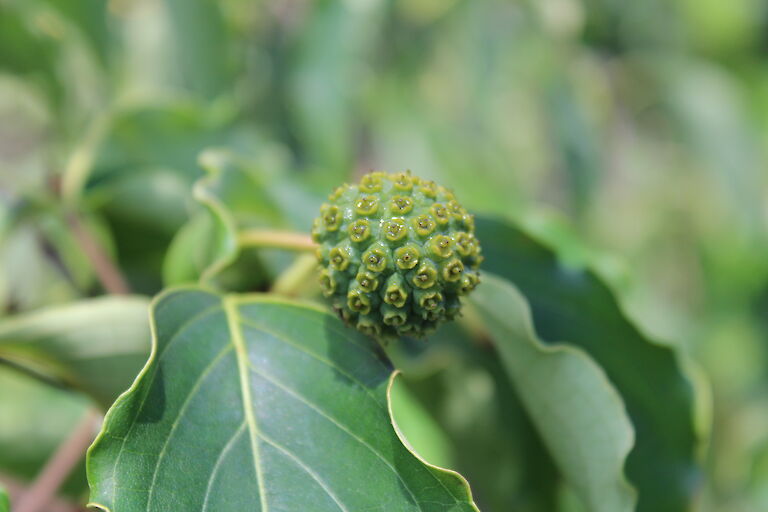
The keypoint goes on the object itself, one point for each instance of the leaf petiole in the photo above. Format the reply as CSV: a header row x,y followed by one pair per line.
x,y
276,240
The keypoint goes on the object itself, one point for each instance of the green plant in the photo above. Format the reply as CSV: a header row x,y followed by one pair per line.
x,y
286,407
609,156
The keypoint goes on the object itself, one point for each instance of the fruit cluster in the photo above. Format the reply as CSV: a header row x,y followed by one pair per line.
x,y
396,253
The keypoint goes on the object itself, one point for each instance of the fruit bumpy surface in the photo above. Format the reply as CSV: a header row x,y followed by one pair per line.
x,y
396,253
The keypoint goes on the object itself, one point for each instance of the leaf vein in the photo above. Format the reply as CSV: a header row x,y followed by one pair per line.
x,y
182,411
337,423
183,327
243,363
219,460
321,359
306,469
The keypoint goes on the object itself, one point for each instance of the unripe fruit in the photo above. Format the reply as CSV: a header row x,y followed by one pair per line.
x,y
396,253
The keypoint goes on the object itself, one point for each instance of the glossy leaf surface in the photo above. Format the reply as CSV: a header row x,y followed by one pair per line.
x,y
250,403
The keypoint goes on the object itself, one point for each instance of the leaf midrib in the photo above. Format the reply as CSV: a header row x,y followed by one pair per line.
x,y
241,351
230,306
239,321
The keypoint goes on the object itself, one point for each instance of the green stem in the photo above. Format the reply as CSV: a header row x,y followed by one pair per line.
x,y
276,240
298,277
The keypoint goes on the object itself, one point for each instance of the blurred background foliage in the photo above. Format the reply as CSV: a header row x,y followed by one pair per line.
x,y
631,136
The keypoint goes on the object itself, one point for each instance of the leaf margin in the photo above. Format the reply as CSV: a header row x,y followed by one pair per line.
x,y
251,297
546,239
432,467
527,332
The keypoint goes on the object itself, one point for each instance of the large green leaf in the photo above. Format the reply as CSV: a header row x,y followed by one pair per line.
x,y
250,403
460,380
574,305
578,412
96,346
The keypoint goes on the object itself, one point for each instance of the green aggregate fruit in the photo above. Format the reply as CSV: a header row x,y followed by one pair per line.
x,y
396,252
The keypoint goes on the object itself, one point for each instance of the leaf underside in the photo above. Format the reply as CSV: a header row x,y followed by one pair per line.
x,y
249,403
577,411
576,306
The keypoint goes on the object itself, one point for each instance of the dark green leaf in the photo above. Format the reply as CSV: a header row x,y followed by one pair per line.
x,y
250,403
574,305
578,412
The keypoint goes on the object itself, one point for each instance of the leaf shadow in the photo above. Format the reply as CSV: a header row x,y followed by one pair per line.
x,y
356,354
154,406
365,358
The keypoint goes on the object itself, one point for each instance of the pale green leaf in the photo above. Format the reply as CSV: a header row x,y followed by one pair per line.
x,y
574,305
578,412
96,346
325,85
424,435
